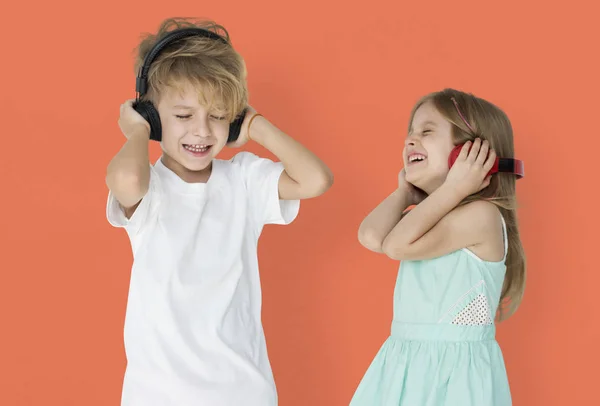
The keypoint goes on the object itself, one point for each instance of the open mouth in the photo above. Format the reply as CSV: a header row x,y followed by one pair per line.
x,y
415,158
197,149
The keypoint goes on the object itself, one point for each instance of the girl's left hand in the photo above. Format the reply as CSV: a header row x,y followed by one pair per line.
x,y
469,174
415,195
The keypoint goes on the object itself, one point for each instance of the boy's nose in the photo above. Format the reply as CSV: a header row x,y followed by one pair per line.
x,y
200,129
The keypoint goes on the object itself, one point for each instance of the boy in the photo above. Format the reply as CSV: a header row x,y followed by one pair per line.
x,y
193,332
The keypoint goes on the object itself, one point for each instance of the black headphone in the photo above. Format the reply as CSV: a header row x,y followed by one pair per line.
x,y
146,109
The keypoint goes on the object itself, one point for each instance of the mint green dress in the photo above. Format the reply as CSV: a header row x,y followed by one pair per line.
x,y
442,348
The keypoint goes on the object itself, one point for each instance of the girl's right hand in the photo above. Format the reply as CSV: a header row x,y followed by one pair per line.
x,y
131,122
415,195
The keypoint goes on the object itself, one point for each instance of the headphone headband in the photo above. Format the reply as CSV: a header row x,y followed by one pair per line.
x,y
510,165
141,83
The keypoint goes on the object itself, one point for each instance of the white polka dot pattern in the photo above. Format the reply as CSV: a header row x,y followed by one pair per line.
x,y
477,313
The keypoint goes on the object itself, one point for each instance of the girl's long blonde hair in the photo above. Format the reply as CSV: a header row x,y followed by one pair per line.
x,y
488,122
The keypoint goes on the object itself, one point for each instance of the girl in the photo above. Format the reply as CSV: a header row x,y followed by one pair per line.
x,y
462,266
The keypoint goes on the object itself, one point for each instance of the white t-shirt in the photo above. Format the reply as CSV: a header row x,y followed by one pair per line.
x,y
193,332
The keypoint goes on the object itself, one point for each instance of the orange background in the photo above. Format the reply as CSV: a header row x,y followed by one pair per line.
x,y
342,79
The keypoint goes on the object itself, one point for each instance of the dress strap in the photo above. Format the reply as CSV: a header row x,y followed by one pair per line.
x,y
505,232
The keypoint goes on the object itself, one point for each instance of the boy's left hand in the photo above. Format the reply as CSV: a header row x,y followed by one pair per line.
x,y
244,133
469,174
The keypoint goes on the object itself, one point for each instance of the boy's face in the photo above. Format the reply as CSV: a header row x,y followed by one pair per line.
x,y
192,135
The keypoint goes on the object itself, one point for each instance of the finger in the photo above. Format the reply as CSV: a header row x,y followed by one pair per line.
x,y
475,150
464,151
483,153
491,160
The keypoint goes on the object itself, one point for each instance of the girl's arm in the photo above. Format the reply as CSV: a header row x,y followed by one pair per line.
x,y
378,224
435,227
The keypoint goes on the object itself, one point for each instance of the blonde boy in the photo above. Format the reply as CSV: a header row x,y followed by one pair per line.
x,y
193,332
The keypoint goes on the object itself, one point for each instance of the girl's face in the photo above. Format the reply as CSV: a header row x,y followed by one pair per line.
x,y
427,148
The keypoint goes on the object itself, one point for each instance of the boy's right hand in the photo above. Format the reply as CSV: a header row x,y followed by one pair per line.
x,y
414,194
131,122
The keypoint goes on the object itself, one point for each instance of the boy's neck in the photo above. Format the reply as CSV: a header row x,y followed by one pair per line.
x,y
184,173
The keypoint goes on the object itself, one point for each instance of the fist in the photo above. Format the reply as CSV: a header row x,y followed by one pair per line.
x,y
130,121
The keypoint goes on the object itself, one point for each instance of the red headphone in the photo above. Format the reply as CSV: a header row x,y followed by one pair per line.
x,y
507,165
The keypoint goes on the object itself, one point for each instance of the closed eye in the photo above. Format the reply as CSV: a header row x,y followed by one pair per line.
x,y
184,117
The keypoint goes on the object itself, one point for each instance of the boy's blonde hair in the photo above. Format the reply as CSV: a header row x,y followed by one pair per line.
x,y
489,122
214,68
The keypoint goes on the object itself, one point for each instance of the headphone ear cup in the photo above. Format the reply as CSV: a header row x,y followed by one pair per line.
x,y
236,127
146,109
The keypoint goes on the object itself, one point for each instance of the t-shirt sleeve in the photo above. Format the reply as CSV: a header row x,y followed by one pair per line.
x,y
261,179
115,213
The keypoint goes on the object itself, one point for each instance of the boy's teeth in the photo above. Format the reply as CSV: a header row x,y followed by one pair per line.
x,y
196,148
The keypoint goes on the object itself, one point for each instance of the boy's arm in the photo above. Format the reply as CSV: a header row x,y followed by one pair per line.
x,y
377,225
128,173
305,175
